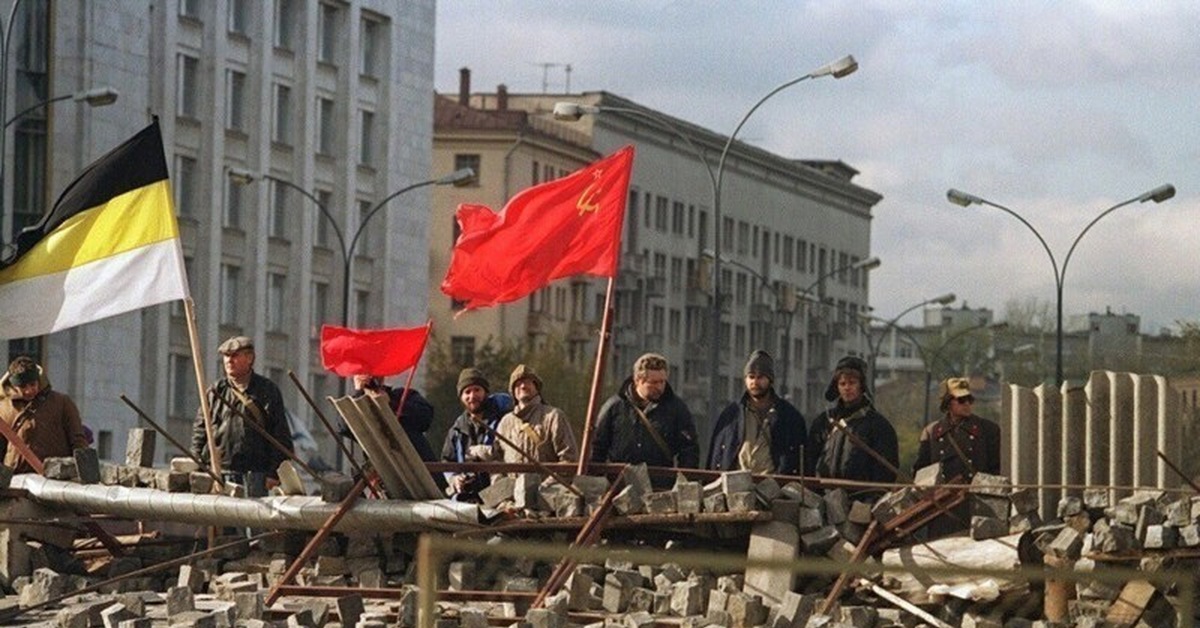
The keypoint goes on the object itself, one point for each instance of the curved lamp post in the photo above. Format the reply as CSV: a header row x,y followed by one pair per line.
x,y
890,323
1158,195
458,177
567,111
871,263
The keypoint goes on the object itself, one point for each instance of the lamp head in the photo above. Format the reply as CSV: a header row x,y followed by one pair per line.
x,y
871,263
837,69
961,198
572,111
945,299
458,178
1158,194
241,177
98,97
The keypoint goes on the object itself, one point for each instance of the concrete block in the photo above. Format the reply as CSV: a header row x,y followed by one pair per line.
x,y
568,504
201,483
638,475
192,578
860,513
179,599
746,610
928,475
139,447
628,501
1024,500
1024,522
819,541
809,519
1189,535
1160,537
1096,499
114,614
743,501
687,598
56,468
717,503
688,496
772,540
983,528
717,599
526,493
335,487
1066,544
639,619
87,465
641,599
768,490
660,502
736,482
1068,506
837,506
498,492
542,618
618,587
795,608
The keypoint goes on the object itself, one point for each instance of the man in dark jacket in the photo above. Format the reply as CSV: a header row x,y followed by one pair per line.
x,y
472,437
243,395
848,441
964,443
761,432
645,422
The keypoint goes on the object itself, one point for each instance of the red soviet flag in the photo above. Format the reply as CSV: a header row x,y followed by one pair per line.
x,y
380,352
570,226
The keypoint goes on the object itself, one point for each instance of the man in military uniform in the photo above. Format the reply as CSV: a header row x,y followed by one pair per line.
x,y
964,443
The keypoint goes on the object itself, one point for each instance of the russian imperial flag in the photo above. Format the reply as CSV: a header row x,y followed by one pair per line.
x,y
110,245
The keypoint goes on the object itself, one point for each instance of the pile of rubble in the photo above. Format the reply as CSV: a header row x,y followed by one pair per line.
x,y
1150,530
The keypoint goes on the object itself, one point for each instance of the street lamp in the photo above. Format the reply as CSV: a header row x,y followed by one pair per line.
x,y
871,263
945,299
457,178
1158,195
573,111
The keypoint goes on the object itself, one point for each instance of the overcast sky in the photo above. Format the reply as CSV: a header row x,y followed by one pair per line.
x,y
1057,110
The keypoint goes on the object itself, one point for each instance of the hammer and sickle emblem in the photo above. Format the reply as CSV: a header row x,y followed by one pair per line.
x,y
588,200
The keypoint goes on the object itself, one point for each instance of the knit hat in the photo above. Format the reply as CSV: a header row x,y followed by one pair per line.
x,y
522,372
472,376
760,363
848,363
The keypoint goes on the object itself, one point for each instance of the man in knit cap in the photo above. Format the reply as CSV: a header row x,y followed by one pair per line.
x,y
539,431
761,432
645,422
471,438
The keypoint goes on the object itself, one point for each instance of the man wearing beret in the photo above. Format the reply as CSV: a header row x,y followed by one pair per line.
x,y
243,395
645,422
762,432
471,438
45,419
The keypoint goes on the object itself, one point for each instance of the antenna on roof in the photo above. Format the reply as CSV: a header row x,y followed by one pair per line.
x,y
546,75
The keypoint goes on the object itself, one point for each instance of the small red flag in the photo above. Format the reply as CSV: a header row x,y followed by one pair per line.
x,y
379,352
570,226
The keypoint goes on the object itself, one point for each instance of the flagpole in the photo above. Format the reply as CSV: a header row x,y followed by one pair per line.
x,y
194,338
413,371
585,447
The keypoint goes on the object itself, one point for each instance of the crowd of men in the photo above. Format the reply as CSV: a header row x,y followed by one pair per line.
x,y
644,422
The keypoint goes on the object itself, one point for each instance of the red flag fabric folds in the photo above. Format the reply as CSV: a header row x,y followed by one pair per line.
x,y
570,226
380,352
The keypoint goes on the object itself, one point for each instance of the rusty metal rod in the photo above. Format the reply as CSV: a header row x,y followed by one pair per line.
x,y
1177,470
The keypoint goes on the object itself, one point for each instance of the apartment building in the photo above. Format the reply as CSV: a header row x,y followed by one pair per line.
x,y
789,228
321,110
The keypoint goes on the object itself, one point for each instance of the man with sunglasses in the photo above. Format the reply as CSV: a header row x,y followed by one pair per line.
x,y
964,443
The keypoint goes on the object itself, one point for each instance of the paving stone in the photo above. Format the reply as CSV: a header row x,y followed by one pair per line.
x,y
746,610
660,502
819,541
1066,544
302,619
858,616
1178,513
1189,535
179,600
336,487
1025,500
860,513
137,622
527,492
201,483
1068,506
736,482
688,496
639,619
618,587
498,492
1024,522
59,468
809,519
744,501
796,607
114,614
472,618
1096,499
249,604
638,475
996,507
640,599
717,599
983,528
628,501
1160,537
718,503
139,447
87,465
542,618
928,475
837,506
461,575
687,598
768,489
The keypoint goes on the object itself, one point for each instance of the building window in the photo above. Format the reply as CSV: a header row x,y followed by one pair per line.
x,y
322,228
235,108
726,235
185,185
462,350
472,161
189,8
369,44
277,218
282,129
661,208
231,277
319,307
182,386
366,242
232,216
536,175
276,294
366,155
188,89
362,302
237,16
677,218
327,33
284,23
325,125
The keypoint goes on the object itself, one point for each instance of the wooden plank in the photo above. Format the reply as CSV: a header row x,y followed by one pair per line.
x,y
1130,605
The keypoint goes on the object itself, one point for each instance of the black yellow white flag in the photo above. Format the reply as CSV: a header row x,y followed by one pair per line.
x,y
110,245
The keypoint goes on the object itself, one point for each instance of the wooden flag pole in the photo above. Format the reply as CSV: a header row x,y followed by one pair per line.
x,y
585,447
214,455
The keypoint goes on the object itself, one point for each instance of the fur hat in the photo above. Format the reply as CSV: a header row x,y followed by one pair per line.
x,y
848,363
24,370
953,388
523,372
472,376
760,363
